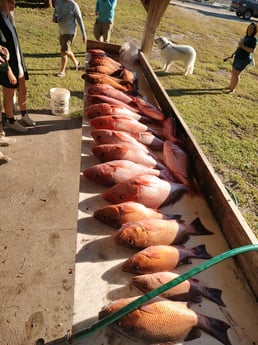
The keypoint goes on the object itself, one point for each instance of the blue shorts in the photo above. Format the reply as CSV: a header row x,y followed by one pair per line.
x,y
240,65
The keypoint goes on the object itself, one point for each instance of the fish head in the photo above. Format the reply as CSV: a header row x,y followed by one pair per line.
x,y
104,152
129,235
137,264
109,215
101,122
142,282
101,136
100,173
115,306
122,192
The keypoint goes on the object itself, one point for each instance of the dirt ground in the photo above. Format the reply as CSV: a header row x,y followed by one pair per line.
x,y
38,224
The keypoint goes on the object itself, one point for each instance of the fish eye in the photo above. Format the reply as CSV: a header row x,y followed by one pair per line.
x,y
130,241
135,267
121,197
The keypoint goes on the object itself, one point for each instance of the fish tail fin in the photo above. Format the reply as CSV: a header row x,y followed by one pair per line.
x,y
214,295
201,252
173,216
193,188
197,228
214,327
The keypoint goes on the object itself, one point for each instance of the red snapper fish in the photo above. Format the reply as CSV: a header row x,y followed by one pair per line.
x,y
103,59
149,140
117,171
161,321
127,74
151,232
162,258
178,163
108,90
120,123
190,290
116,215
94,99
103,109
119,84
110,152
149,190
169,129
149,109
109,70
109,136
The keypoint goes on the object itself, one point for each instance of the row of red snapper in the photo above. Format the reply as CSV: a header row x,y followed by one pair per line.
x,y
145,166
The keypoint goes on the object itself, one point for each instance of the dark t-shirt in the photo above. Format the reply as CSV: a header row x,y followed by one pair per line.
x,y
250,42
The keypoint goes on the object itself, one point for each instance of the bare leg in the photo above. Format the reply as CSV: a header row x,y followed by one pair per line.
x,y
235,77
22,94
64,60
8,101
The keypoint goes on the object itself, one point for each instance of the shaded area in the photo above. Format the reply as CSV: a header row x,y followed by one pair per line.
x,y
182,92
35,3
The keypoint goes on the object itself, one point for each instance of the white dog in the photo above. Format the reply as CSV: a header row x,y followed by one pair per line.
x,y
172,52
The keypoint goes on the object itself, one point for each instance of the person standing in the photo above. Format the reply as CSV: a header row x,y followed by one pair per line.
x,y
14,78
67,14
105,12
4,68
4,57
243,55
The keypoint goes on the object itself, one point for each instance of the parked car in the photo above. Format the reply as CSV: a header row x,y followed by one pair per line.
x,y
245,8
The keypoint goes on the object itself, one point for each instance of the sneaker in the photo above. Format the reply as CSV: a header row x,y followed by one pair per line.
x,y
4,159
26,120
6,141
60,74
17,127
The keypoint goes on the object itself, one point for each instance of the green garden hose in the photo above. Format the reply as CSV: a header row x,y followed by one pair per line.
x,y
143,299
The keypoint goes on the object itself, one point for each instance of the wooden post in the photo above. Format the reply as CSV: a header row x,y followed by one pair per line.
x,y
155,9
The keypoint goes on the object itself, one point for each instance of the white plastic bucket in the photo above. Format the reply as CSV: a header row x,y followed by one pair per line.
x,y
59,101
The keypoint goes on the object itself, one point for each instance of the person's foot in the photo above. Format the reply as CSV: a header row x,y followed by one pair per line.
x,y
231,92
17,127
4,141
77,66
61,74
4,159
26,120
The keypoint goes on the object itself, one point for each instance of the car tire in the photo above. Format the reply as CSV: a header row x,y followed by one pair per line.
x,y
238,14
247,14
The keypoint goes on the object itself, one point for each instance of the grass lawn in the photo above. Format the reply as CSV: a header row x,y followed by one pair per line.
x,y
225,126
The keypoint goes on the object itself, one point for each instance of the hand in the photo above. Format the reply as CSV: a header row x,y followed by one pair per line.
x,y
11,76
5,51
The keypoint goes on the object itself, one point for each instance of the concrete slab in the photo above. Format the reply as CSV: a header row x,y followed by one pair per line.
x,y
38,225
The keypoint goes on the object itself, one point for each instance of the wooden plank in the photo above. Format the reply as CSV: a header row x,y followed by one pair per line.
x,y
111,48
156,9
233,225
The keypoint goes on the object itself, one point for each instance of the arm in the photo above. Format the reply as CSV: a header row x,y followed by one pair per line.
x,y
4,51
97,8
246,48
79,19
